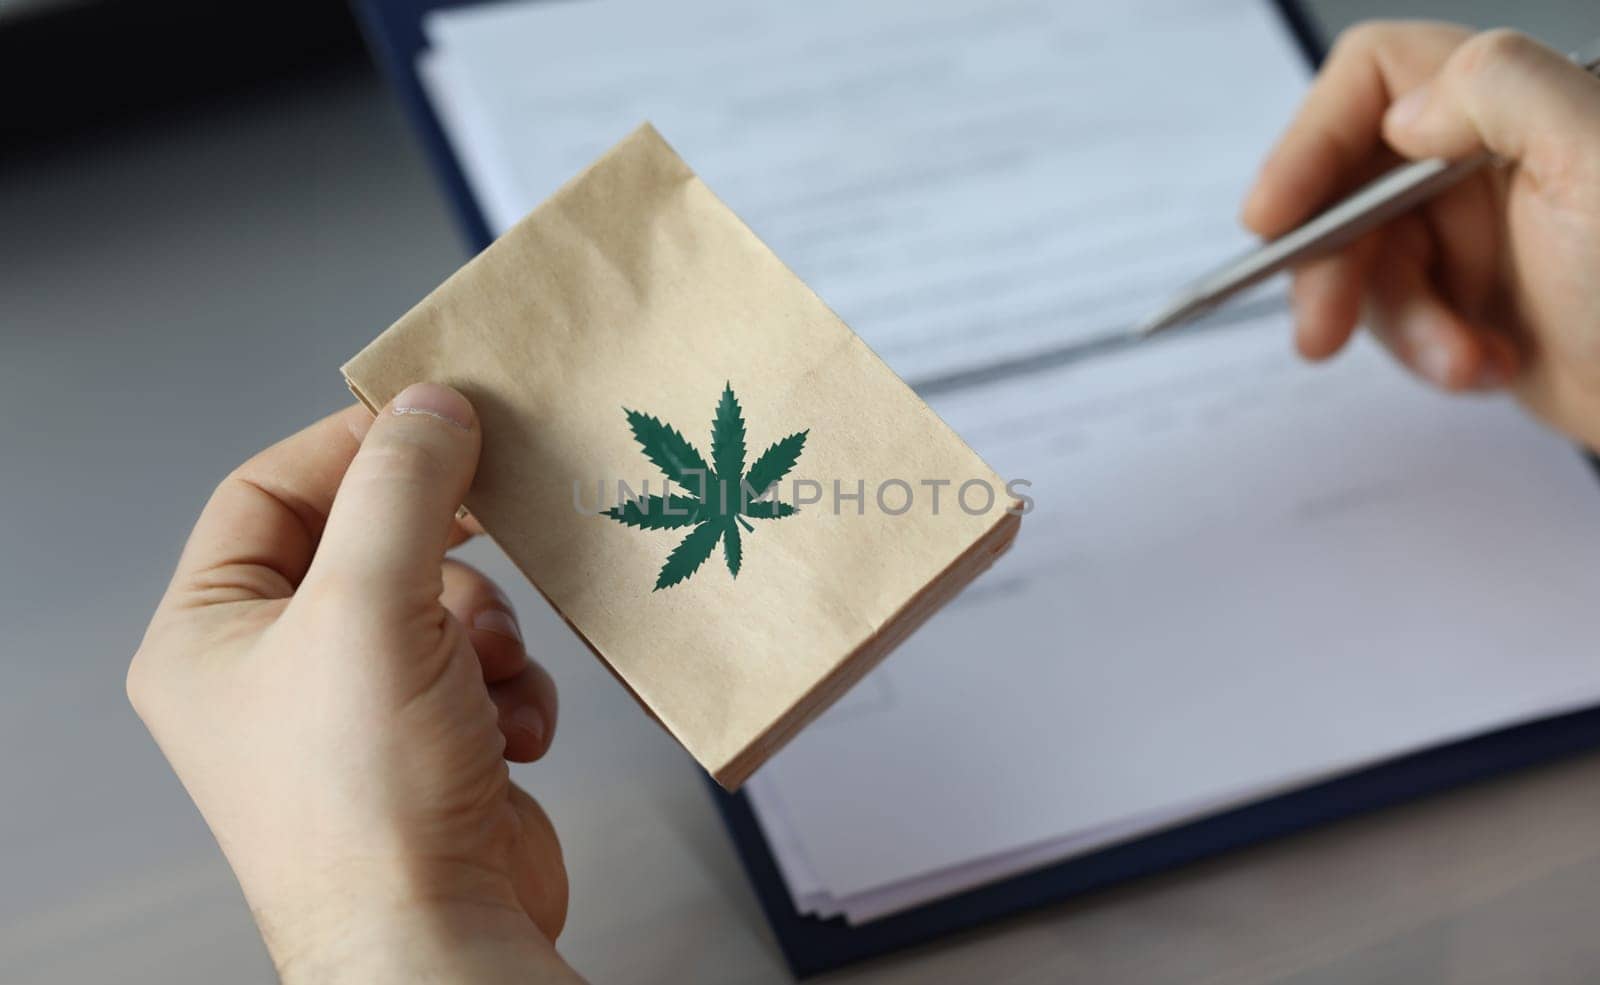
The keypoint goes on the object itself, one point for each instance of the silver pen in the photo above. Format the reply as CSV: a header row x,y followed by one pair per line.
x,y
1372,205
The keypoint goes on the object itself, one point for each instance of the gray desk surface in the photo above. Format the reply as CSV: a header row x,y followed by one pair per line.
x,y
177,296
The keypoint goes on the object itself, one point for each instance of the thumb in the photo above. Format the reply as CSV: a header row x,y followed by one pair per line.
x,y
1504,92
394,513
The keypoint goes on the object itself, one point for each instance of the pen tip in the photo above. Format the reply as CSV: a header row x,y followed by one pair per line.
x,y
1177,312
1161,320
1146,328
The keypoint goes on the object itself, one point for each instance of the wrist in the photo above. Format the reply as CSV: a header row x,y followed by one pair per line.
x,y
451,942
374,920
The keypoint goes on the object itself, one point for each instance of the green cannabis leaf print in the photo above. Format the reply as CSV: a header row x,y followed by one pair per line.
x,y
718,497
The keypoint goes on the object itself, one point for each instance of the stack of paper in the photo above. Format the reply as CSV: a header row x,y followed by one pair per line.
x,y
1242,574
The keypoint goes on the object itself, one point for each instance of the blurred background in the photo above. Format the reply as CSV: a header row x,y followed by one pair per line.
x,y
204,209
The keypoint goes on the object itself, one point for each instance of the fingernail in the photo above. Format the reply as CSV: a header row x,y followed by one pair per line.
x,y
1407,108
529,720
1434,361
435,401
497,621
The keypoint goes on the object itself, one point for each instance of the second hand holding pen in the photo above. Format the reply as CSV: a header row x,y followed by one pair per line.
x,y
1385,198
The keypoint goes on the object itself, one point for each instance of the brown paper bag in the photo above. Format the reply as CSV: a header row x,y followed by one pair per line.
x,y
631,328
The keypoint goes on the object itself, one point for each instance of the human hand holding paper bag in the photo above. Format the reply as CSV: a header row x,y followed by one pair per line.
x,y
340,701
316,632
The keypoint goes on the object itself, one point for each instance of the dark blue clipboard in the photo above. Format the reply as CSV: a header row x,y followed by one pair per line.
x,y
394,32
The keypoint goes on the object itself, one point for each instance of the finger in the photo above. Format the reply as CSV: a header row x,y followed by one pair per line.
x,y
1328,296
466,528
257,534
1465,222
395,512
527,706
1408,316
539,873
1506,93
479,604
1337,130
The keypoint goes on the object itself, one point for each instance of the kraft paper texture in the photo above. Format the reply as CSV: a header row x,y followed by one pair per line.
x,y
635,288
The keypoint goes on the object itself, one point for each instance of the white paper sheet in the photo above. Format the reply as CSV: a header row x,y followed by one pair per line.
x,y
1243,573
954,177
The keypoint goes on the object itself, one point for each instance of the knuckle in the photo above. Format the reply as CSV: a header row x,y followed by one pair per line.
x,y
1361,36
1378,39
227,483
246,473
1490,51
406,455
1364,39
139,685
